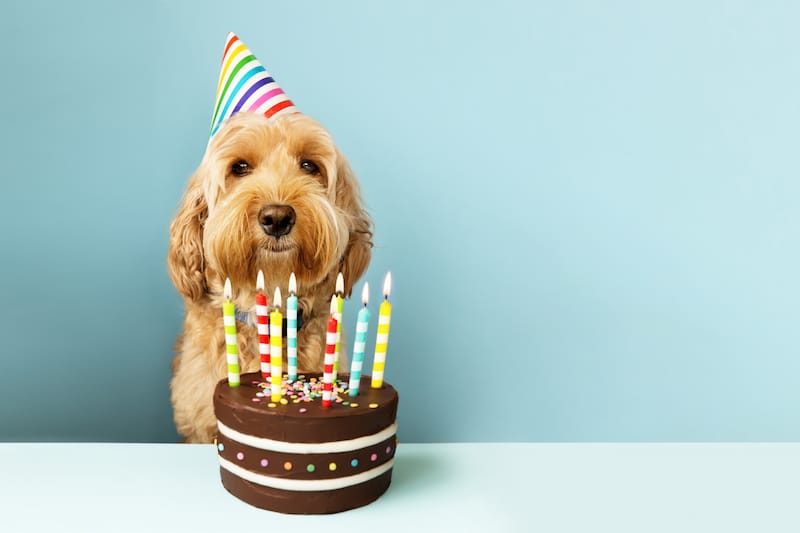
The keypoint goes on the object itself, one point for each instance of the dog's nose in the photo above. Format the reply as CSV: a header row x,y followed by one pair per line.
x,y
277,219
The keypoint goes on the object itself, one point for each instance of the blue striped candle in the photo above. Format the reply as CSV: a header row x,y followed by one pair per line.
x,y
362,325
291,328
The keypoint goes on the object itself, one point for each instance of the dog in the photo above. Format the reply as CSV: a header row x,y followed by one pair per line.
x,y
274,195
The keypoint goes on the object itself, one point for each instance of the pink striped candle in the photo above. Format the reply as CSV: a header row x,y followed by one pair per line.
x,y
262,324
330,350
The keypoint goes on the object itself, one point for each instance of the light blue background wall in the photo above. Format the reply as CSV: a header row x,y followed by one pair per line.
x,y
590,208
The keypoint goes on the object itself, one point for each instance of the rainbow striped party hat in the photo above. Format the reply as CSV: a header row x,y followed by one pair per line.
x,y
245,85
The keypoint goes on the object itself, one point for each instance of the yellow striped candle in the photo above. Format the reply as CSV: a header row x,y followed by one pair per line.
x,y
231,348
276,346
338,316
382,340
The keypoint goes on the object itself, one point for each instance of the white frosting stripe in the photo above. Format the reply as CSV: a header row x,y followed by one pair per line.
x,y
307,447
305,484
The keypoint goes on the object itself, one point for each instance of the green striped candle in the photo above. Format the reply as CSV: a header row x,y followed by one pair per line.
x,y
231,348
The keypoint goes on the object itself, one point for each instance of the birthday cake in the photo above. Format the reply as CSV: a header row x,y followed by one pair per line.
x,y
296,456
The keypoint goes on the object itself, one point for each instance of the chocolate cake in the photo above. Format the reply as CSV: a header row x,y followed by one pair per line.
x,y
294,456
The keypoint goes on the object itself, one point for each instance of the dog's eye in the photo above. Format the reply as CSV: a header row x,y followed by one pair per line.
x,y
309,166
240,168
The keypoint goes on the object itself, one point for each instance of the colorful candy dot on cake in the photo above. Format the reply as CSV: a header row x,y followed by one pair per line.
x,y
264,462
373,457
256,399
240,456
221,447
270,404
345,403
388,449
310,468
354,463
373,405
284,401
287,465
303,410
353,405
332,467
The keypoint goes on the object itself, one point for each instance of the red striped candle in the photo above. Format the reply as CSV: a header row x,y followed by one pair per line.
x,y
330,351
262,324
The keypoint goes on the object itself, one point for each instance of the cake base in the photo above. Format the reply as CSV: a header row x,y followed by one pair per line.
x,y
294,455
317,502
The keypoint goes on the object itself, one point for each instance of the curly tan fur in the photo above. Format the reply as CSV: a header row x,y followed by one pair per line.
x,y
216,234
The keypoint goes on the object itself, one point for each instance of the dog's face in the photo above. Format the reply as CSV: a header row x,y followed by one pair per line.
x,y
272,195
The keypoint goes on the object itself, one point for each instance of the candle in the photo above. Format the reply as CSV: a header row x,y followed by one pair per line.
x,y
362,324
330,348
291,328
262,324
384,320
275,346
231,348
339,307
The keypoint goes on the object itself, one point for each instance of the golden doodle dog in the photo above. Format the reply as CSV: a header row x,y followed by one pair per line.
x,y
274,195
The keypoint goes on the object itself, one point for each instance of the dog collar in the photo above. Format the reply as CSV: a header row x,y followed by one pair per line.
x,y
248,318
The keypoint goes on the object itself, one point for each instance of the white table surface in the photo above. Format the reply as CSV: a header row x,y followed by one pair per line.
x,y
435,487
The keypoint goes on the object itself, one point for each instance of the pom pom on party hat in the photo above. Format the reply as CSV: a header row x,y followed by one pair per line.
x,y
245,85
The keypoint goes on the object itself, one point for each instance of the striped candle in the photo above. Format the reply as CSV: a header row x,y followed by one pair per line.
x,y
291,328
245,85
339,307
330,348
382,340
276,346
262,324
362,325
231,348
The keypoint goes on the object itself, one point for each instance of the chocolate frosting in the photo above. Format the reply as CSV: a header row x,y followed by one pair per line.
x,y
234,407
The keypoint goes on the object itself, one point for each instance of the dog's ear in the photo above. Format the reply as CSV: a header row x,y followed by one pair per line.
x,y
357,255
185,257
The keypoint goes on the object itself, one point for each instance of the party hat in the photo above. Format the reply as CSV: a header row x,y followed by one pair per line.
x,y
245,85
